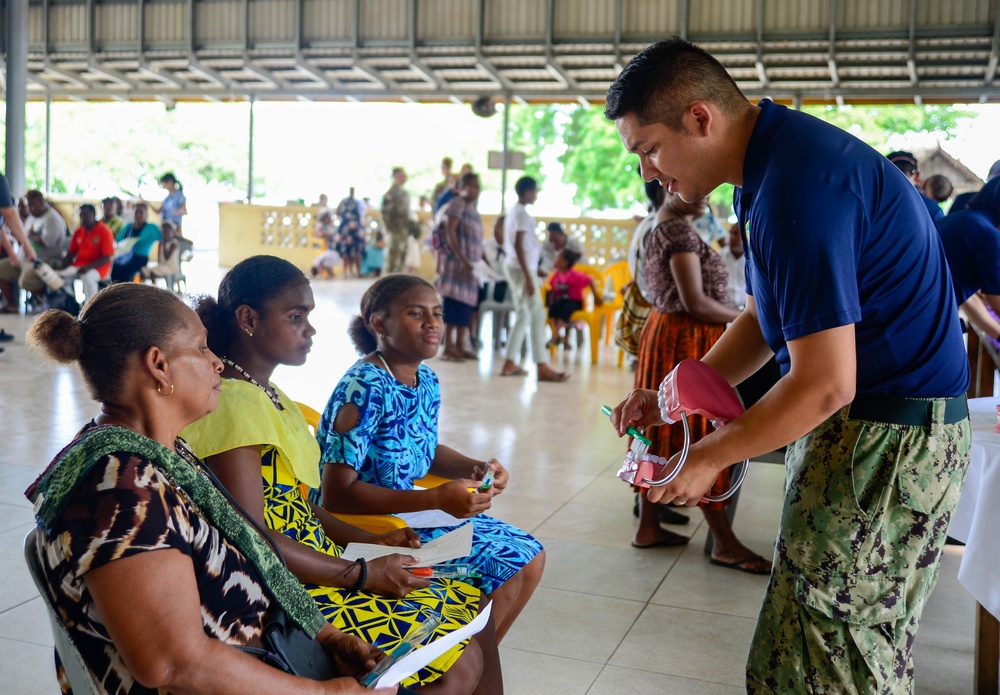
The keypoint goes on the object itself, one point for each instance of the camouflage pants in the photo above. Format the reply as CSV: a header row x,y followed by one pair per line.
x,y
866,510
396,256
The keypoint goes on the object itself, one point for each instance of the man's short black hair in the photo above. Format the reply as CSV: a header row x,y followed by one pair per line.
x,y
662,80
556,227
88,206
525,184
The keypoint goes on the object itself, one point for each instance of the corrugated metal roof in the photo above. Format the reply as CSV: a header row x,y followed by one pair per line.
x,y
545,50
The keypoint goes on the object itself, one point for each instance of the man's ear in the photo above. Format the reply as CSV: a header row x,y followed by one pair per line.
x,y
699,118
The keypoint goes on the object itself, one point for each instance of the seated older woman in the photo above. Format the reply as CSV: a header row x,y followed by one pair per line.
x,y
157,578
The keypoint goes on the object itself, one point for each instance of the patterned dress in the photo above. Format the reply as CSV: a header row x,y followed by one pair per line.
x,y
393,446
124,507
671,334
456,281
246,417
351,233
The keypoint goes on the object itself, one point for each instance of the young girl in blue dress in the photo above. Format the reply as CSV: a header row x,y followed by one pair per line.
x,y
379,434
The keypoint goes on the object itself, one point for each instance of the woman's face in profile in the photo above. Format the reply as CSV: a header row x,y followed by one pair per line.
x,y
284,334
194,368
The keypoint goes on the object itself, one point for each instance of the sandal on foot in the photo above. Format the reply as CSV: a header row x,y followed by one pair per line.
x,y
743,565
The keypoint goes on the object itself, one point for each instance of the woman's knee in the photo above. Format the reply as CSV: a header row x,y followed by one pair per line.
x,y
464,674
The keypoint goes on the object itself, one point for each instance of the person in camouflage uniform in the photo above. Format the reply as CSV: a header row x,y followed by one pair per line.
x,y
871,402
397,220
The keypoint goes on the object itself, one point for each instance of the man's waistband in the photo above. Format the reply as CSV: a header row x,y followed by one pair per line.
x,y
914,412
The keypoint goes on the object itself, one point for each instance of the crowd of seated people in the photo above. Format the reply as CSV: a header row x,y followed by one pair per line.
x,y
191,476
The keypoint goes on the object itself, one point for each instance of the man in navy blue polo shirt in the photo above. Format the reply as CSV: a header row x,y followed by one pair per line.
x,y
849,288
971,240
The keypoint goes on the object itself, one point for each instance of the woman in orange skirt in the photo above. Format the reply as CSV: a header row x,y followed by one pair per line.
x,y
687,283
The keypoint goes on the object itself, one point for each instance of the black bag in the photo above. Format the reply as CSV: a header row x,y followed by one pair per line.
x,y
290,649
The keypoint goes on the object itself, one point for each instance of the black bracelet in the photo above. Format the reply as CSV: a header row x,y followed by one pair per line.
x,y
363,576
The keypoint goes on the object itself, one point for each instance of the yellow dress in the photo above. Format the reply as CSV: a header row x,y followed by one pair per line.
x,y
247,417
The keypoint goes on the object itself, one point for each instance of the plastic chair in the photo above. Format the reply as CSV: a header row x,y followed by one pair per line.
x,y
500,311
591,314
79,676
373,523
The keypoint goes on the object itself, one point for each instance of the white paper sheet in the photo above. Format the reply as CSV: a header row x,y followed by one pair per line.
x,y
429,518
450,546
417,659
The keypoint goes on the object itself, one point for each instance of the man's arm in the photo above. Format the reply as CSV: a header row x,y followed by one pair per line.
x,y
741,350
822,379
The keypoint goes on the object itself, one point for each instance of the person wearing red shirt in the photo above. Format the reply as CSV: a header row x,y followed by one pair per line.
x,y
91,251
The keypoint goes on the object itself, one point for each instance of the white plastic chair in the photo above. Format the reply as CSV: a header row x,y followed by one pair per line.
x,y
79,676
499,309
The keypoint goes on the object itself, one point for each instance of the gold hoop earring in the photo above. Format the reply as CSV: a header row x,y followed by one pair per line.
x,y
159,390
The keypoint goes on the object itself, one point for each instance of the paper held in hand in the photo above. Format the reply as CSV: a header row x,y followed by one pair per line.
x,y
414,661
450,546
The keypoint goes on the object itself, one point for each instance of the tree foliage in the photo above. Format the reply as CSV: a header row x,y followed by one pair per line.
x,y
605,175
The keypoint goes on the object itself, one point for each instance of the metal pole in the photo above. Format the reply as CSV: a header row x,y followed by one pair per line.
x,y
250,155
48,145
506,148
17,92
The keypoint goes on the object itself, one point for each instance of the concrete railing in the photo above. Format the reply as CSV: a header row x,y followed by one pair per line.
x,y
287,231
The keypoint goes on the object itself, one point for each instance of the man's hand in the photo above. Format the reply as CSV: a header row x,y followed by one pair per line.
x,y
29,254
529,286
693,482
639,409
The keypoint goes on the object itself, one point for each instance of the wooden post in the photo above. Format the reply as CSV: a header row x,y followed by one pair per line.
x,y
987,653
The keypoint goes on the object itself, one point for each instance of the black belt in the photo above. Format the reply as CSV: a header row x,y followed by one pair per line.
x,y
914,412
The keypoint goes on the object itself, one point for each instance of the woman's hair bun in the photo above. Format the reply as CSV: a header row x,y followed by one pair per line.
x,y
58,335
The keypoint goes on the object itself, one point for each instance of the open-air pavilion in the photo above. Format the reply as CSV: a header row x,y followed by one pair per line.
x,y
646,624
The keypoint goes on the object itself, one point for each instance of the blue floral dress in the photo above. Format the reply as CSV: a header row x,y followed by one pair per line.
x,y
393,446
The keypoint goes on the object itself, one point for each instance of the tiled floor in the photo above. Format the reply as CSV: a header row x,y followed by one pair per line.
x,y
607,619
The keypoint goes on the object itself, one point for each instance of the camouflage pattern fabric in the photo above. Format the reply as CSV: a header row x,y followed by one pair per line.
x,y
396,216
867,507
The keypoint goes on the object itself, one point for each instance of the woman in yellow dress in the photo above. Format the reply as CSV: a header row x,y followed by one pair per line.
x,y
258,444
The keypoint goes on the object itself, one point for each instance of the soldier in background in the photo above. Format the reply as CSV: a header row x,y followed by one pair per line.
x,y
396,218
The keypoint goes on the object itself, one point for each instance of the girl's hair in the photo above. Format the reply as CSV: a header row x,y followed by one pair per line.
x,y
122,320
169,176
376,302
253,282
572,257
988,200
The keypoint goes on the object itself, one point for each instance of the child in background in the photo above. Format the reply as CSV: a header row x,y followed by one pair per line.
x,y
566,294
374,257
329,259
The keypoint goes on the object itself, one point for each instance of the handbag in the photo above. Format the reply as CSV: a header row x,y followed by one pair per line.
x,y
635,311
289,648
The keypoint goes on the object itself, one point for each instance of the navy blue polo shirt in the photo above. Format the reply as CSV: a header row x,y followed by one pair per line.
x,y
972,247
932,207
835,234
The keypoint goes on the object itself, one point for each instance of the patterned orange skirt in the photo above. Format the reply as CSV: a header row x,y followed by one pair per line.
x,y
666,340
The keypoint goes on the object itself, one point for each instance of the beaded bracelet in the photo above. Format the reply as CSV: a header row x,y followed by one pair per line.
x,y
363,575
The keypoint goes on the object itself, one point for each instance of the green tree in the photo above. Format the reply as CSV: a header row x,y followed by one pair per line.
x,y
594,160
